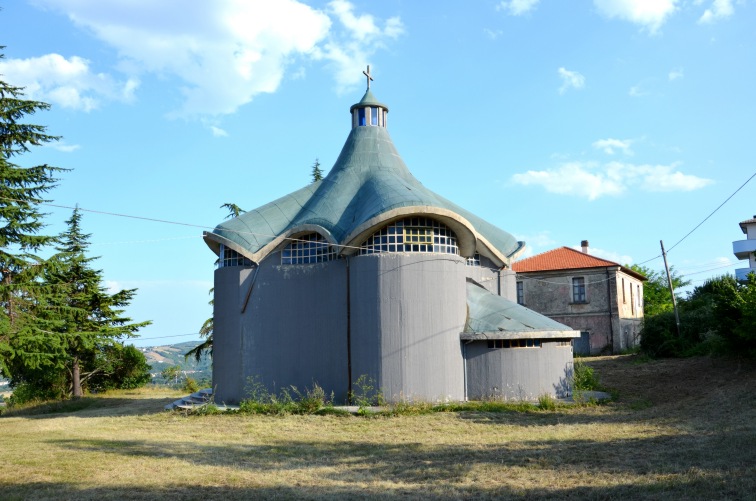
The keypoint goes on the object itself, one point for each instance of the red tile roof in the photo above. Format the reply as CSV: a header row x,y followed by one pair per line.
x,y
565,258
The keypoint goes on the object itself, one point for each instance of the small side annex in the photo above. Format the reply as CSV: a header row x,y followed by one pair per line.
x,y
369,273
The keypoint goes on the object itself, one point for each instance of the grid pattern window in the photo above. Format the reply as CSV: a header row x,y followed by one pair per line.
x,y
494,344
520,293
308,249
578,290
413,234
473,261
229,257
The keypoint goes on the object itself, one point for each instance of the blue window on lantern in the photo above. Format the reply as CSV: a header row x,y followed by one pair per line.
x,y
361,117
373,116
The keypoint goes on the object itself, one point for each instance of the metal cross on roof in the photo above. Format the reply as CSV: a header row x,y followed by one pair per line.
x,y
367,74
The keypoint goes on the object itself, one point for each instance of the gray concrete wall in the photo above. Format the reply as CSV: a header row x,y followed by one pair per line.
x,y
407,313
486,275
293,332
227,341
518,373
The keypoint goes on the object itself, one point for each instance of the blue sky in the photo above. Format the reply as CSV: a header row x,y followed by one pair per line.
x,y
623,122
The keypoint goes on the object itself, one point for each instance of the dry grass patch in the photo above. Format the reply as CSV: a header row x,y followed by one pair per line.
x,y
125,447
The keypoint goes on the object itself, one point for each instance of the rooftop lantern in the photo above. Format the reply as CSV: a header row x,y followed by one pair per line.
x,y
368,112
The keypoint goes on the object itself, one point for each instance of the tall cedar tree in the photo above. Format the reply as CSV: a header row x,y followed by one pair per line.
x,y
22,342
87,319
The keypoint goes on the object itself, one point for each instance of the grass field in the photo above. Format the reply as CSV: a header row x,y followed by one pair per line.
x,y
679,429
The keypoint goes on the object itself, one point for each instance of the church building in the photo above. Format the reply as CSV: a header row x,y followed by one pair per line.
x,y
369,273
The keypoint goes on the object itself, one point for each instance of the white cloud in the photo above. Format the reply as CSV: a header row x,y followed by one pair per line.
x,y
650,14
637,91
610,146
223,53
720,9
606,254
347,51
62,146
675,74
69,83
517,7
218,132
493,35
570,79
535,243
590,180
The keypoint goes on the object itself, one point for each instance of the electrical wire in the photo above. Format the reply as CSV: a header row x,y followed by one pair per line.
x,y
712,213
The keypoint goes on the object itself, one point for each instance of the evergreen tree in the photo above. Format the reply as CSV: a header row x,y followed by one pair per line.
x,y
22,342
317,173
85,317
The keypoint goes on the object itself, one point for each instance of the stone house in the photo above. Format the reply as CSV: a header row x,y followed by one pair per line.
x,y
600,298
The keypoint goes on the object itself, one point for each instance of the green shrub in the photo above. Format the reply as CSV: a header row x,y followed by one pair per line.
x,y
584,379
365,393
547,403
190,385
288,401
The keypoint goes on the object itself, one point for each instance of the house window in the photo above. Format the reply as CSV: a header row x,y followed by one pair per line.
x,y
623,291
229,257
632,300
413,234
520,293
578,290
308,249
638,296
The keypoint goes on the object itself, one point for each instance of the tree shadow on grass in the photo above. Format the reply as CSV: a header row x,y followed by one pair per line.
x,y
88,407
691,487
724,458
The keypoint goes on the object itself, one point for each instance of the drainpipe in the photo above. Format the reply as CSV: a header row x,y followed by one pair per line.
x,y
349,332
609,298
464,372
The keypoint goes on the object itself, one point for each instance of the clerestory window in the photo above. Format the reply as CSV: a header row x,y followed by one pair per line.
x,y
308,249
229,257
413,234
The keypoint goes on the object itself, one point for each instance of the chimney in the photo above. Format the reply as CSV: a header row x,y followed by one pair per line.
x,y
584,245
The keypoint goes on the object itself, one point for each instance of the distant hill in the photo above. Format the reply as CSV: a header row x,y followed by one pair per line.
x,y
160,357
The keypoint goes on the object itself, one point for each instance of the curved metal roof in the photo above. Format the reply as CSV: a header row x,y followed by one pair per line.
x,y
492,317
369,185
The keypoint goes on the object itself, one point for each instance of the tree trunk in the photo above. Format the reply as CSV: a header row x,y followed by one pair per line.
x,y
76,378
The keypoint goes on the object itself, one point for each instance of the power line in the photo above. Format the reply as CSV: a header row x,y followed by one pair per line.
x,y
712,213
164,337
166,221
702,222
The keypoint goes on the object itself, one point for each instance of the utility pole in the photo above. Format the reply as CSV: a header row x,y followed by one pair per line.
x,y
671,288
